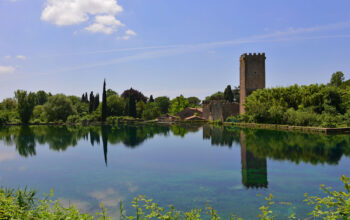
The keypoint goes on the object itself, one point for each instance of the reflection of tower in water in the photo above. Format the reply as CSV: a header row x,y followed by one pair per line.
x,y
254,169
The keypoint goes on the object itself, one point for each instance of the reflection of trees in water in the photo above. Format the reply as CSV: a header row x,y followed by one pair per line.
x,y
257,145
281,145
298,147
221,136
59,138
183,129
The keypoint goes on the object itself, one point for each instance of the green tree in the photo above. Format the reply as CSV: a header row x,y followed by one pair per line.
x,y
8,104
26,103
96,101
41,97
91,103
132,105
151,98
115,105
110,92
140,106
163,103
39,113
236,94
151,111
138,96
178,104
337,79
193,101
104,103
216,96
228,95
59,107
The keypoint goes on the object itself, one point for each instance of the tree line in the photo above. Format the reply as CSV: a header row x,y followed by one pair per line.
x,y
313,105
43,107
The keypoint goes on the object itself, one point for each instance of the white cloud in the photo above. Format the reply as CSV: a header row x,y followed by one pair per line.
x,y
7,57
72,12
128,34
68,12
105,24
21,57
7,69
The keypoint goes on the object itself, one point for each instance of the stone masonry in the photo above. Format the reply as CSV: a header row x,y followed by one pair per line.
x,y
252,75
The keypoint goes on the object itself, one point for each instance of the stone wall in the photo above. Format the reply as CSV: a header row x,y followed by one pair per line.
x,y
219,110
252,75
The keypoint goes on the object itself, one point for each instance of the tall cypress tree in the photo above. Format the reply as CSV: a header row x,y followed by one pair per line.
x,y
96,101
151,98
104,102
228,95
91,104
132,105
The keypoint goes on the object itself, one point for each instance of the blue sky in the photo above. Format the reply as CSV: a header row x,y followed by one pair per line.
x,y
167,47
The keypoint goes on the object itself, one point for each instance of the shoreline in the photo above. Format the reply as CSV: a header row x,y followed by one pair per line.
x,y
304,129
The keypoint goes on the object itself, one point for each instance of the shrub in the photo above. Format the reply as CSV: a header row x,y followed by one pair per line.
x,y
4,118
73,119
59,107
112,119
151,111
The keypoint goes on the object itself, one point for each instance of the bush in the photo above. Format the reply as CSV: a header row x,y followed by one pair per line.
x,y
112,120
59,107
151,111
4,118
73,119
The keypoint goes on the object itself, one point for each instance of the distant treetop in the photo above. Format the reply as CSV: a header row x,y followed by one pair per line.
x,y
136,94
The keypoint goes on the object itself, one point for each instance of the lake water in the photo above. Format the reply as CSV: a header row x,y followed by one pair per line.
x,y
188,166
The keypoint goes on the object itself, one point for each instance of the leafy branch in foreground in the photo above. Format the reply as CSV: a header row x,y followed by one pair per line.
x,y
336,205
22,204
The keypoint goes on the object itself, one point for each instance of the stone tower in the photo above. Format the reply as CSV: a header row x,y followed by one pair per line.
x,y
252,75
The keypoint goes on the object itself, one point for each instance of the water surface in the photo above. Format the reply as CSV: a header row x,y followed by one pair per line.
x,y
188,166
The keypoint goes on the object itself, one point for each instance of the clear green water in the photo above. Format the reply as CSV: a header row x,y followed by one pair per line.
x,y
229,168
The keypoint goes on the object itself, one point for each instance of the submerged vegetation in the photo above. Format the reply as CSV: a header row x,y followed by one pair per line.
x,y
23,204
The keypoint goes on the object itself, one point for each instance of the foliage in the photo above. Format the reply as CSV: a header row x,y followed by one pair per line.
x,y
22,204
115,105
337,79
140,106
41,97
151,111
59,107
178,104
138,96
131,106
73,119
4,118
104,110
79,105
216,96
313,105
194,102
110,92
163,103
8,104
26,103
228,94
336,205
39,113
151,99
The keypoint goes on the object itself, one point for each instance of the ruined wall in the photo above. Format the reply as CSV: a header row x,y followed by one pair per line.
x,y
219,110
252,75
